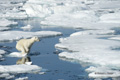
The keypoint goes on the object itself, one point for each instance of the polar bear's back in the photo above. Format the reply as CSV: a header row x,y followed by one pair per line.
x,y
22,43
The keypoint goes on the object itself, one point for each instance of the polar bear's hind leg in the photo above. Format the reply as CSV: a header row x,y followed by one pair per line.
x,y
22,50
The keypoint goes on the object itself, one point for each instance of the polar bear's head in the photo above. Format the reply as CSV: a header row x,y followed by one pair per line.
x,y
35,39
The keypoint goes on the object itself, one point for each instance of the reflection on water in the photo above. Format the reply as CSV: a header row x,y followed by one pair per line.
x,y
24,60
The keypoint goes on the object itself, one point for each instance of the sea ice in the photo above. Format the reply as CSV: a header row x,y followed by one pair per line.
x,y
17,54
23,78
16,35
102,72
89,47
12,9
6,76
8,71
103,4
2,52
40,8
111,18
4,22
27,28
4,28
19,68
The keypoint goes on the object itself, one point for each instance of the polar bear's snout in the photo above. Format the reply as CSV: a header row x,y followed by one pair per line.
x,y
36,38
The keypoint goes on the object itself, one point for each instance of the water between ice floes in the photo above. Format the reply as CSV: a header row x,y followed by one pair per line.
x,y
44,55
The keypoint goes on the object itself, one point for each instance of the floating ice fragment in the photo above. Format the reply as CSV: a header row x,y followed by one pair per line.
x,y
19,68
23,78
6,76
17,54
27,28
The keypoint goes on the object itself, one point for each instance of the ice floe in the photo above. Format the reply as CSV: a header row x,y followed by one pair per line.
x,y
4,28
102,4
2,52
17,54
27,28
6,76
40,8
5,22
16,35
8,71
111,18
73,20
19,68
90,47
102,72
22,78
12,9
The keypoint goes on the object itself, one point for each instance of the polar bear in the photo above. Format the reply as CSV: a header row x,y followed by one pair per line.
x,y
24,45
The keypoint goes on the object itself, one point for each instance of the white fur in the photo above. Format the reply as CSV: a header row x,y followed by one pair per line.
x,y
24,45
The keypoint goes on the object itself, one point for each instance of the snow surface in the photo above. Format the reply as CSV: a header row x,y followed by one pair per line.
x,y
75,13
16,35
19,68
23,78
17,54
11,9
27,28
89,47
2,52
4,22
8,71
41,8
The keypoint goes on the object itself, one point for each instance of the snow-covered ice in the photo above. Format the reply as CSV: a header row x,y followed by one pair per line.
x,y
89,47
2,52
22,78
17,54
12,9
8,71
41,8
16,35
4,28
111,18
27,28
19,68
102,72
4,22
6,76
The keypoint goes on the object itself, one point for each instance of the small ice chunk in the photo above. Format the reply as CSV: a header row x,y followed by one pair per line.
x,y
27,28
115,38
6,76
23,78
17,54
28,63
19,68
111,18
